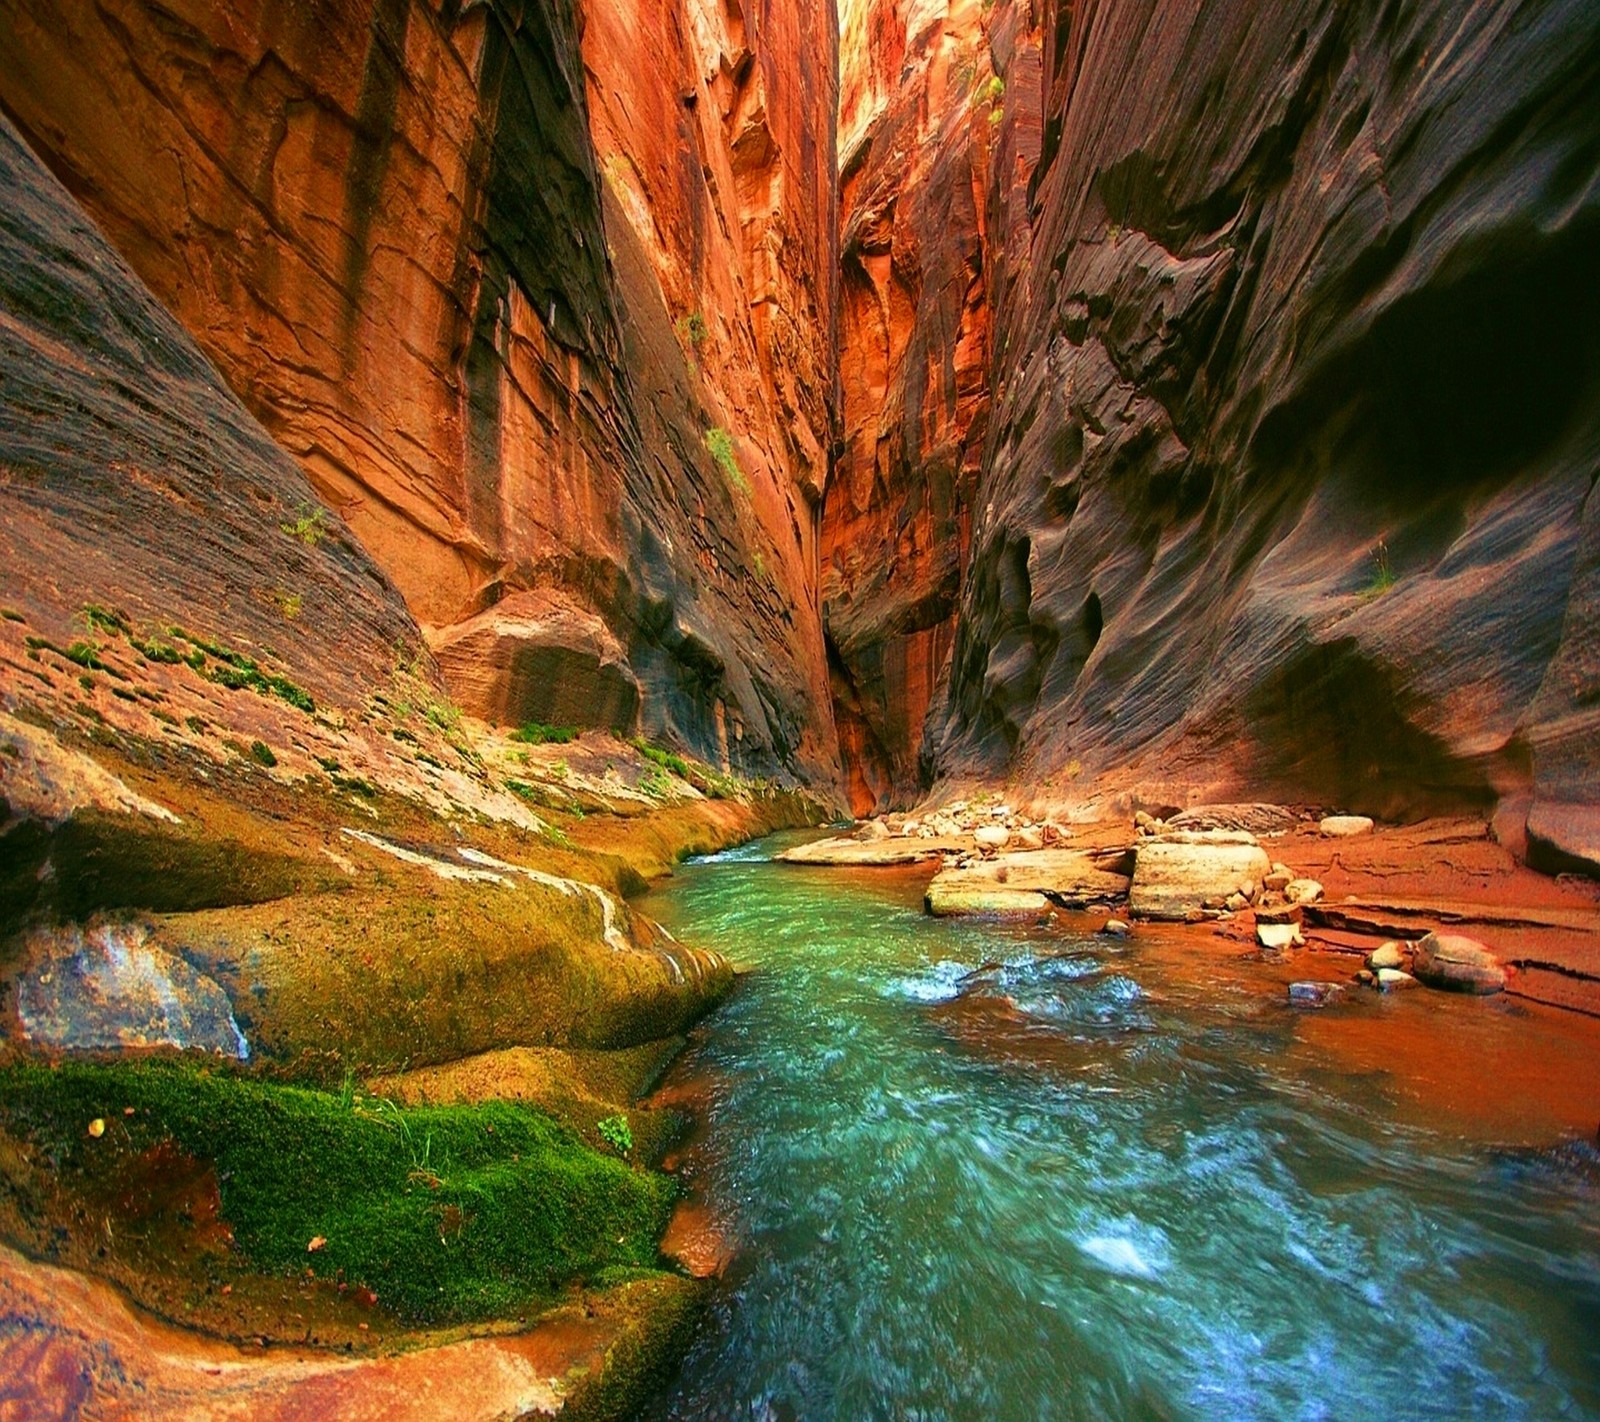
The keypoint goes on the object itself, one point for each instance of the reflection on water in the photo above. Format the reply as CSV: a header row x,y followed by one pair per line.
x,y
984,1172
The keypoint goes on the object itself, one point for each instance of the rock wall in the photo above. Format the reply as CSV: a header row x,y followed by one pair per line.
x,y
1289,482
132,480
917,92
544,312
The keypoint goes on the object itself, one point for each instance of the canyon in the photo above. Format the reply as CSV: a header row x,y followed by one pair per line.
x,y
457,460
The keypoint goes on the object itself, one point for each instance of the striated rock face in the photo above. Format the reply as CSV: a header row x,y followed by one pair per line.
x,y
130,477
917,92
1288,486
537,308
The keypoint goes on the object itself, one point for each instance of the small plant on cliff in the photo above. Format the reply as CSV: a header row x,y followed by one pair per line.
x,y
692,329
995,89
720,443
536,733
616,1133
309,527
261,753
1382,577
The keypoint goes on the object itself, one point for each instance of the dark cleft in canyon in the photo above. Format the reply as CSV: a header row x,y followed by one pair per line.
x,y
459,460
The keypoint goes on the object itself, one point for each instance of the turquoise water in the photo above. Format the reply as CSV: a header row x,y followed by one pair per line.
x,y
1049,1190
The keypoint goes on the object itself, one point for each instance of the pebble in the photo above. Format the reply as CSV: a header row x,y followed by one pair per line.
x,y
1116,928
1302,891
1277,881
1393,980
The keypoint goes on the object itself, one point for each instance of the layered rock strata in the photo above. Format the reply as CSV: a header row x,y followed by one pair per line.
x,y
537,308
918,92
1288,484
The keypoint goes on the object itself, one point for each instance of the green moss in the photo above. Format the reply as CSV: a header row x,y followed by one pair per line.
x,y
536,733
261,753
85,654
10,614
153,649
449,1214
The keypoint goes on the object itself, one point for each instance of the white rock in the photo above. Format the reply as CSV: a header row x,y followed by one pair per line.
x,y
1346,825
1302,891
991,837
1116,928
1028,837
1388,956
1393,980
1278,935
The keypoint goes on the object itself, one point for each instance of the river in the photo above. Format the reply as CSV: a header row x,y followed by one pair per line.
x,y
1057,1186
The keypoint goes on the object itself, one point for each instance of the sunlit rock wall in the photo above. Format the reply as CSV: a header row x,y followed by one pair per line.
x,y
1289,479
493,278
917,96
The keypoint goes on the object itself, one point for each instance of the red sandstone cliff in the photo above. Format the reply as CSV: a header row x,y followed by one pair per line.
x,y
545,313
918,92
1289,482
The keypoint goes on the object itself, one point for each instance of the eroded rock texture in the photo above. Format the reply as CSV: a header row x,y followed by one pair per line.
x,y
1290,482
918,91
132,478
537,309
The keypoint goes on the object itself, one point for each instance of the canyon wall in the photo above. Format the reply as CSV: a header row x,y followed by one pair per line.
x,y
1288,483
542,303
917,93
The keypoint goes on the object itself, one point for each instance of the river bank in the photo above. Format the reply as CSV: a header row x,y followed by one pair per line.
x,y
356,969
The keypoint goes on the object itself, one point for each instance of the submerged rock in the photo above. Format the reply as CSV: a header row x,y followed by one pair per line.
x,y
947,898
109,988
1310,994
1449,960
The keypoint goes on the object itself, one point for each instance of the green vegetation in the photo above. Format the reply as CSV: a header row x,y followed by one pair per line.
x,y
448,1214
238,672
309,527
1382,577
616,1133
85,654
665,759
996,116
536,733
10,614
446,715
261,753
152,649
96,618
692,329
995,89
720,443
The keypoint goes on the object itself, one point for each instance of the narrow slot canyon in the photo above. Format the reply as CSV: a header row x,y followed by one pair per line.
x,y
671,669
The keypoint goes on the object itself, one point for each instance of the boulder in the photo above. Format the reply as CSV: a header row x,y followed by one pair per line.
x,y
1310,994
1253,818
1171,877
1457,963
1277,881
1342,825
1068,878
991,837
872,831
1028,837
1302,891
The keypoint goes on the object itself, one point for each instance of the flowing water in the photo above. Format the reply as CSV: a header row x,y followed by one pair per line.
x,y
974,1171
